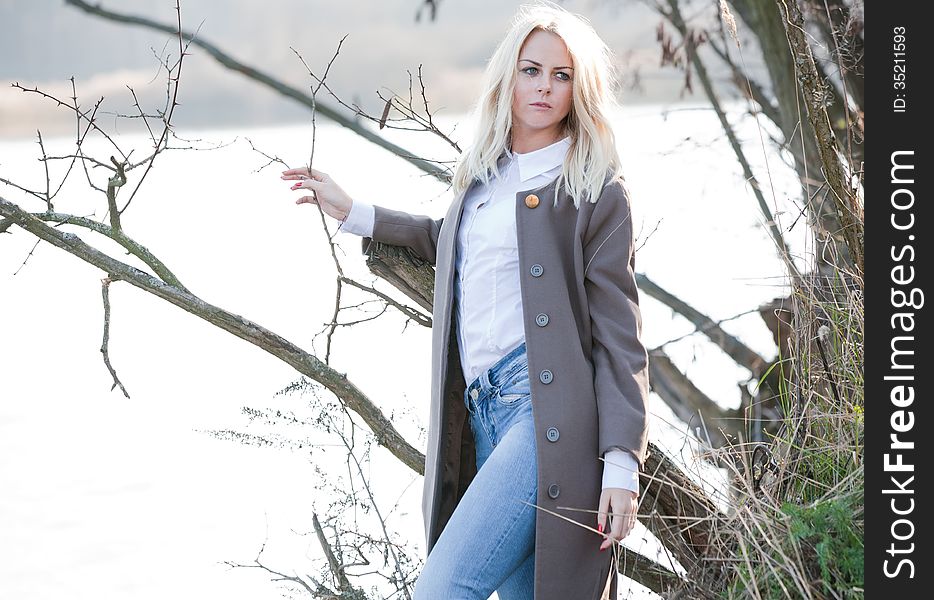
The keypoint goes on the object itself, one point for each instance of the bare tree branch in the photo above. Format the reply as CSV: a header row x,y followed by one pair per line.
x,y
319,591
245,329
673,14
269,81
735,349
105,351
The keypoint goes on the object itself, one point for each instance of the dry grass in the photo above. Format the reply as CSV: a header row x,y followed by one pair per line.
x,y
795,526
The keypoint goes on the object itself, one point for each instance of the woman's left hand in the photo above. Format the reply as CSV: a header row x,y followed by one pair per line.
x,y
622,505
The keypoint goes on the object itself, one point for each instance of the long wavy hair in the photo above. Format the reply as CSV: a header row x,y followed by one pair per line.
x,y
592,156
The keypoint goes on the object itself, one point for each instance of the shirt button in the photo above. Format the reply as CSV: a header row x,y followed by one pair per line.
x,y
553,490
536,270
541,319
531,200
545,376
552,434
474,393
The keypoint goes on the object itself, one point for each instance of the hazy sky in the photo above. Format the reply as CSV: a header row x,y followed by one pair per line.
x,y
44,42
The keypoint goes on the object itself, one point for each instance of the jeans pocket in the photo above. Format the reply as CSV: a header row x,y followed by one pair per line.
x,y
514,399
515,392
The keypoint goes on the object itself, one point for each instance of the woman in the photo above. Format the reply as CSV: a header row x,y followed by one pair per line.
x,y
523,471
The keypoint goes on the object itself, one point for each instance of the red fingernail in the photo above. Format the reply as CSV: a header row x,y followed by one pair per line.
x,y
600,527
602,549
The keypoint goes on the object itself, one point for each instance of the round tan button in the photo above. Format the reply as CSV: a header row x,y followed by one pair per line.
x,y
531,200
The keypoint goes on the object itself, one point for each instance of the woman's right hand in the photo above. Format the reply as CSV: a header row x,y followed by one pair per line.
x,y
328,195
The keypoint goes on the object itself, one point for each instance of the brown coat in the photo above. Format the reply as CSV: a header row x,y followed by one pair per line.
x,y
578,268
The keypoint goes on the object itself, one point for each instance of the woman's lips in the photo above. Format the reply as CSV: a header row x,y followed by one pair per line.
x,y
540,105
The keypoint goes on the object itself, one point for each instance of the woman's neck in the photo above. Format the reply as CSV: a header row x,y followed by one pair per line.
x,y
530,142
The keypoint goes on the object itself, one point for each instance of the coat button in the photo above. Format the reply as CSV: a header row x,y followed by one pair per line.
x,y
474,393
531,200
552,434
553,490
536,270
541,319
545,376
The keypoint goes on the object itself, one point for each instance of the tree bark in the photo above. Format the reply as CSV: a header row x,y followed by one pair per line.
x,y
766,22
848,208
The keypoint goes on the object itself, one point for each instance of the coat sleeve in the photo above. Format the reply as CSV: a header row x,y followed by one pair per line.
x,y
620,360
399,228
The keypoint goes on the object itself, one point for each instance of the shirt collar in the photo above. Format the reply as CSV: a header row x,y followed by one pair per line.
x,y
532,164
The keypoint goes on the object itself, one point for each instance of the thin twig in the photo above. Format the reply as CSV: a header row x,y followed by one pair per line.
x,y
105,352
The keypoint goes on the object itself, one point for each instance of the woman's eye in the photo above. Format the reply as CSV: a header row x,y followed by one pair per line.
x,y
532,71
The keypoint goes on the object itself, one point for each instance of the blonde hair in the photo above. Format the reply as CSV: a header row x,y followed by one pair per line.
x,y
592,156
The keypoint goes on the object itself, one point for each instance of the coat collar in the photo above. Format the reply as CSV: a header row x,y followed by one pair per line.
x,y
549,189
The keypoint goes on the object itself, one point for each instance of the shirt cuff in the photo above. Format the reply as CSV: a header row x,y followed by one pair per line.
x,y
360,220
620,470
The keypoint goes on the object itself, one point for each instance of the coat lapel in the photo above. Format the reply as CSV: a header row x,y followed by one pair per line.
x,y
441,330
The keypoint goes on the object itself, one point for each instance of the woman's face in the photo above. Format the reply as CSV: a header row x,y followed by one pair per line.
x,y
542,98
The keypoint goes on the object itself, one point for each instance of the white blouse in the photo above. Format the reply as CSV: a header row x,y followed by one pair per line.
x,y
488,302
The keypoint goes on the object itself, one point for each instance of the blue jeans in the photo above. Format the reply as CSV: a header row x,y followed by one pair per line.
x,y
488,544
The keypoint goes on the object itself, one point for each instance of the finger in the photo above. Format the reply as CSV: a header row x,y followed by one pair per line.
x,y
619,523
319,175
608,531
630,525
306,200
601,510
310,184
631,520
304,174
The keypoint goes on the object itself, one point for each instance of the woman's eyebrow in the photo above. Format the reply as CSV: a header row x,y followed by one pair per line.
x,y
538,64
